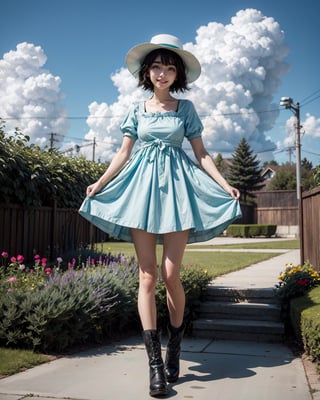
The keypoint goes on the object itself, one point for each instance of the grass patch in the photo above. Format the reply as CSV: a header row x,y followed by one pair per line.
x,y
220,263
217,263
277,245
13,361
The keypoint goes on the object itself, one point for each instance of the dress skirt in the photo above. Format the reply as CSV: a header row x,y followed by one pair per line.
x,y
161,190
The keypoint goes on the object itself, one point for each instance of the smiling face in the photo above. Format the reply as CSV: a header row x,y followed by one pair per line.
x,y
163,68
162,76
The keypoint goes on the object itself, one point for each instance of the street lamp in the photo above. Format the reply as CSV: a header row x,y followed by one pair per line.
x,y
288,103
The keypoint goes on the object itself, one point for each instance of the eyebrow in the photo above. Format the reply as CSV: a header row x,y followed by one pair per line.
x,y
160,62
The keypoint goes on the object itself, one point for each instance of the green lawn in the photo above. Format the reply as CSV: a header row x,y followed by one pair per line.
x,y
13,361
217,262
277,245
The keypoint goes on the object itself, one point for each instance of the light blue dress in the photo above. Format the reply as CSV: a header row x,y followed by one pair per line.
x,y
160,189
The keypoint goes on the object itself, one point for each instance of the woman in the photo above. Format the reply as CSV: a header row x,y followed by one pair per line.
x,y
160,195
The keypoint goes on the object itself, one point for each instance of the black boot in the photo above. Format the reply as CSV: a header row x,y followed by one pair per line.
x,y
158,383
172,363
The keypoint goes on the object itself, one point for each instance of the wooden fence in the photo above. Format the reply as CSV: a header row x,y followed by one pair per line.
x,y
47,231
279,207
310,227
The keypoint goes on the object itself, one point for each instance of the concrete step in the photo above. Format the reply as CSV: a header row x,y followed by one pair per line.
x,y
254,295
232,329
240,310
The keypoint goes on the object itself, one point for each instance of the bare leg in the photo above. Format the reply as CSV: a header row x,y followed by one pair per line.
x,y
145,246
173,249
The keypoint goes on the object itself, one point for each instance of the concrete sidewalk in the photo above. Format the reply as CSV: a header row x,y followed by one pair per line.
x,y
210,369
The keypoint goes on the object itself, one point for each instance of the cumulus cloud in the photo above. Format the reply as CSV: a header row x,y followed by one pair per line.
x,y
242,64
30,96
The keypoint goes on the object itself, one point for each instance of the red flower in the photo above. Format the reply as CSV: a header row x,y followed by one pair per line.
x,y
302,282
20,258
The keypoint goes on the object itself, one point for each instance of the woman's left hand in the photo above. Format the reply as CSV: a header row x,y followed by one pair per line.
x,y
234,193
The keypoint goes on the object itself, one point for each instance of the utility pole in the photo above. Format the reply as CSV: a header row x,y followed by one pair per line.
x,y
52,139
287,102
94,149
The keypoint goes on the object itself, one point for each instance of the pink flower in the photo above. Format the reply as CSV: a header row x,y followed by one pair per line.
x,y
13,259
12,279
59,259
43,262
4,254
31,271
37,257
22,267
48,271
20,258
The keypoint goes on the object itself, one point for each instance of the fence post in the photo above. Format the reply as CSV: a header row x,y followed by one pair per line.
x,y
301,227
53,234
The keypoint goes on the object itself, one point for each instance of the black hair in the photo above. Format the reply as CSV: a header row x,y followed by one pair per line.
x,y
168,57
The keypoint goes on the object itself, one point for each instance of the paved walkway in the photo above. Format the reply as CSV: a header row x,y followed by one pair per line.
x,y
210,369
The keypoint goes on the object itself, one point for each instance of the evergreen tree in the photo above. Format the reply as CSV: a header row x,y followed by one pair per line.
x,y
244,172
220,164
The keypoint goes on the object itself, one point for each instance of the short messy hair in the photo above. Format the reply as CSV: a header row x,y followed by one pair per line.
x,y
167,58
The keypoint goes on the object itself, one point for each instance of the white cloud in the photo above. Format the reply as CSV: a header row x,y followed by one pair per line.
x,y
311,126
242,64
30,93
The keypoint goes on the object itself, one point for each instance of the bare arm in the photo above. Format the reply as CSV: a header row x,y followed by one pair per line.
x,y
116,164
209,166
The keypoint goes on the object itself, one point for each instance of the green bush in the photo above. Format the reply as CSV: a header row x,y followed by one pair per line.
x,y
86,301
251,230
73,307
33,177
305,320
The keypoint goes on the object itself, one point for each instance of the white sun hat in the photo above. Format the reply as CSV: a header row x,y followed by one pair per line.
x,y
137,54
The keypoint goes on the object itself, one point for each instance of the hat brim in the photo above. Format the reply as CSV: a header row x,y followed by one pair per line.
x,y
137,54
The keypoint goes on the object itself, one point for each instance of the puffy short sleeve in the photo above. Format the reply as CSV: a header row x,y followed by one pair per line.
x,y
129,124
193,124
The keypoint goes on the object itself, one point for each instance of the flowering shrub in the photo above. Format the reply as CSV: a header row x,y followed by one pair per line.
x,y
54,306
15,275
296,281
51,308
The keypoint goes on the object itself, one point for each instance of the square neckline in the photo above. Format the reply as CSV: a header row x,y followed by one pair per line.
x,y
160,112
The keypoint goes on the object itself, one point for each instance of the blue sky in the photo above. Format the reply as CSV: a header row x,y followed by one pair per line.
x,y
85,42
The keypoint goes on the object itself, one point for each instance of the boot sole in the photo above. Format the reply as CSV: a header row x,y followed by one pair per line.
x,y
159,393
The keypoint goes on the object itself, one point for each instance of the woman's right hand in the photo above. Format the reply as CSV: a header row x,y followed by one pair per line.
x,y
93,189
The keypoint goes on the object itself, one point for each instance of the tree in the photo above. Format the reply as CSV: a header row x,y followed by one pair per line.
x,y
221,164
284,179
244,172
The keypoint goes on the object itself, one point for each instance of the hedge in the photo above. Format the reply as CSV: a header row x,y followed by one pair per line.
x,y
251,230
305,321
